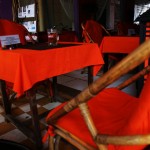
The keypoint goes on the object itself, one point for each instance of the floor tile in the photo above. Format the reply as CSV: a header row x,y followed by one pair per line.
x,y
2,119
76,84
51,105
21,109
78,75
63,79
131,89
39,96
26,107
1,109
23,117
14,135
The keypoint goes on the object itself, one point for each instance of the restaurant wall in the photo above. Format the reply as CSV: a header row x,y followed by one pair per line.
x,y
6,9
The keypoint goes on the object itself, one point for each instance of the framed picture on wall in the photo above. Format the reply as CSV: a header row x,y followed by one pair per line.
x,y
27,11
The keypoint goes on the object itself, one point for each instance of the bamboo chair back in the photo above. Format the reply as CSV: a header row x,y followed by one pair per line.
x,y
136,131
93,32
9,28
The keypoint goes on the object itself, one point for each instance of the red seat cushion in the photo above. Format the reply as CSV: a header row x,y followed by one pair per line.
x,y
111,110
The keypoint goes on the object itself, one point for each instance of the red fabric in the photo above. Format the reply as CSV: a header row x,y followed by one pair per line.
x,y
21,66
50,132
8,28
115,113
68,36
118,44
95,31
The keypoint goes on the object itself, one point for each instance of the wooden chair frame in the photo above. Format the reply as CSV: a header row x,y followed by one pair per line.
x,y
127,64
87,34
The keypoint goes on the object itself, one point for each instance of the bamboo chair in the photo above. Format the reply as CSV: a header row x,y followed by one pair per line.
x,y
9,28
93,32
101,118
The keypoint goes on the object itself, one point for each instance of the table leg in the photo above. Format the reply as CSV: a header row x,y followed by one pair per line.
x,y
55,89
5,99
56,96
31,95
35,133
105,69
90,75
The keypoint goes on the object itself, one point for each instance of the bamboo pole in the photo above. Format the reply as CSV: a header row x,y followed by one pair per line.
x,y
125,65
51,143
14,10
90,124
124,140
134,78
73,140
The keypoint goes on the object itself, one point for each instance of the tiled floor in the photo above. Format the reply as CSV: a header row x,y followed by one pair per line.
x,y
22,112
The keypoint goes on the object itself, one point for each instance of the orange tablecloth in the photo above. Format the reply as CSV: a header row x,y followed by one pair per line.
x,y
118,44
25,67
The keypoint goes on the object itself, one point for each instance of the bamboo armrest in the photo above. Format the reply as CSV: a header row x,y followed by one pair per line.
x,y
123,140
125,65
126,83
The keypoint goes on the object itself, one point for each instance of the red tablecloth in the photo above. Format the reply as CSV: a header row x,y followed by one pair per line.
x,y
118,44
25,67
68,36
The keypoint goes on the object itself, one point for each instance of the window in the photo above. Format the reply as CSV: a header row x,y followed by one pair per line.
x,y
139,9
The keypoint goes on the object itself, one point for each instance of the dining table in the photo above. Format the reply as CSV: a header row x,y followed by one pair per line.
x,y
25,66
121,46
111,45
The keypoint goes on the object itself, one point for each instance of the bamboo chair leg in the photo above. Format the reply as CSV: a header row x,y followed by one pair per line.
x,y
57,142
51,143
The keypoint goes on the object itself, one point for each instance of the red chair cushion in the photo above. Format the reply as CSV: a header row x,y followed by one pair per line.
x,y
111,110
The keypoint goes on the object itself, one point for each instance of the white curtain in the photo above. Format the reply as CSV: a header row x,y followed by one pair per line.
x,y
68,8
15,5
101,5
